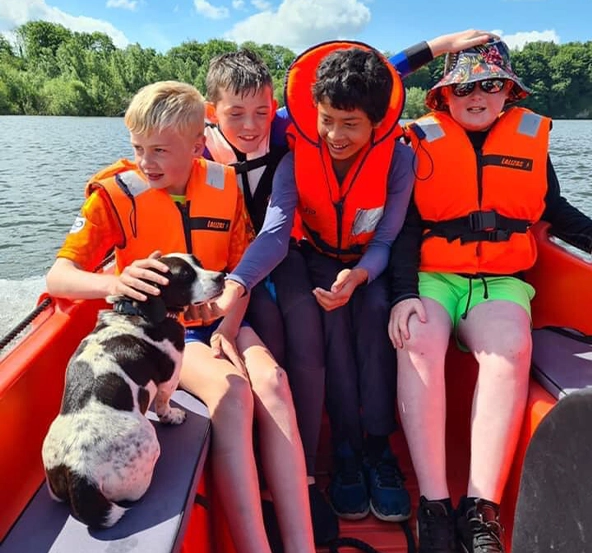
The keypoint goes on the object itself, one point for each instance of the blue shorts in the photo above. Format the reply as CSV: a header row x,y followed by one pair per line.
x,y
204,333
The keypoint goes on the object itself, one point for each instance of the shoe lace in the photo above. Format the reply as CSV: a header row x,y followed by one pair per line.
x,y
389,474
350,472
436,529
487,535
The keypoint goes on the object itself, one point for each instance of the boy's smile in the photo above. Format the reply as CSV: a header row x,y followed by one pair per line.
x,y
344,132
476,111
245,119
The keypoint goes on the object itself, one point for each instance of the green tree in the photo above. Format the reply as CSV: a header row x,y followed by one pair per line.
x,y
54,70
5,48
66,97
37,39
414,103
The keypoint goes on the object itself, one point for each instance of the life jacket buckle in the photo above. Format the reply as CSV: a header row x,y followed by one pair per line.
x,y
498,235
483,220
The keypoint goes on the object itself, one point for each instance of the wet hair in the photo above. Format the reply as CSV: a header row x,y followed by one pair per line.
x,y
166,104
242,72
355,78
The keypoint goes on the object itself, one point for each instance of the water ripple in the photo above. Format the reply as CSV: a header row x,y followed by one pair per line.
x,y
46,162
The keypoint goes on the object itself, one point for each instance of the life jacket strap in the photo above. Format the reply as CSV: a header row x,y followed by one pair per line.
x,y
477,226
249,164
325,247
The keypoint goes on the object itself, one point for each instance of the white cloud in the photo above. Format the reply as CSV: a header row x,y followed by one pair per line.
x,y
298,24
238,4
210,11
261,5
519,39
14,14
125,4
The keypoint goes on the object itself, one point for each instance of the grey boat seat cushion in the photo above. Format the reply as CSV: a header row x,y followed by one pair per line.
x,y
562,360
154,524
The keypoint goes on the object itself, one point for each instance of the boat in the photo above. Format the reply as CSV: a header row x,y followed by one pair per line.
x,y
181,511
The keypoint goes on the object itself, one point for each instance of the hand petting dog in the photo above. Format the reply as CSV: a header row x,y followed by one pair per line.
x,y
137,278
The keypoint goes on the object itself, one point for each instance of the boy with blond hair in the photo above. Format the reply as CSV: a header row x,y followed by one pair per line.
x,y
164,202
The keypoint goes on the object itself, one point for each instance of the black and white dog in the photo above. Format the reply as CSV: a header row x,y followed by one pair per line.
x,y
101,448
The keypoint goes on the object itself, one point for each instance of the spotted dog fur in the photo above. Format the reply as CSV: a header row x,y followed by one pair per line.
x,y
101,448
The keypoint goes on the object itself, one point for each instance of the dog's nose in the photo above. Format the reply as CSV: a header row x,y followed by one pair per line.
x,y
220,278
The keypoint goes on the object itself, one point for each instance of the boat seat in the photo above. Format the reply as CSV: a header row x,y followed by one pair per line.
x,y
154,524
562,360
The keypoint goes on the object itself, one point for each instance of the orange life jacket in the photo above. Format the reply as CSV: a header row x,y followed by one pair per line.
x,y
151,220
338,220
478,208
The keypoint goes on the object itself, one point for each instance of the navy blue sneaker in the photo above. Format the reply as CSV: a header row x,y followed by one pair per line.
x,y
348,493
389,500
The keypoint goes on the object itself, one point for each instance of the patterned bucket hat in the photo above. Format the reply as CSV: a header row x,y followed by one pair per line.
x,y
487,61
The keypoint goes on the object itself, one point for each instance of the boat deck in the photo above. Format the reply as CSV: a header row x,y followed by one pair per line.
x,y
389,537
386,537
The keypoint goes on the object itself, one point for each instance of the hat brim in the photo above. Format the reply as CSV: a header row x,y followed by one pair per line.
x,y
434,95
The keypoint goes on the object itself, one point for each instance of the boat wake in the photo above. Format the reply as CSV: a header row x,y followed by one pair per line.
x,y
17,299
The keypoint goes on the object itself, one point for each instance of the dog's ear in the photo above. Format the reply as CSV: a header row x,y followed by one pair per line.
x,y
154,309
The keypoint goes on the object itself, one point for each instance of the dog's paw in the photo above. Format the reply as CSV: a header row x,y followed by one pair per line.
x,y
173,416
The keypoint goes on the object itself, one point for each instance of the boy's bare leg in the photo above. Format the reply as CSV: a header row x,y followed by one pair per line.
x,y
228,396
281,448
499,335
421,396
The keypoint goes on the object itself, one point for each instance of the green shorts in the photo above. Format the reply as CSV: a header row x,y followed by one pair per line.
x,y
459,294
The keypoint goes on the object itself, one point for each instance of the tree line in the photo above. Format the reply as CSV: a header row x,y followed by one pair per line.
x,y
51,70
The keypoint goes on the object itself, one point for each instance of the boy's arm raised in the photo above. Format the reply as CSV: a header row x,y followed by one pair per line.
x,y
413,58
455,42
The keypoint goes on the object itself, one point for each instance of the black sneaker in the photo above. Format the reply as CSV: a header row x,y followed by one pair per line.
x,y
435,526
479,528
324,521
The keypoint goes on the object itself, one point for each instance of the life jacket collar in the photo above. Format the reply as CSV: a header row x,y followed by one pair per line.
x,y
299,99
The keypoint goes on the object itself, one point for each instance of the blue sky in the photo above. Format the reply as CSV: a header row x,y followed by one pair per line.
x,y
385,24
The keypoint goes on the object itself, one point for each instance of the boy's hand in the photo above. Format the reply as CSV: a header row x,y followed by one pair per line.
x,y
232,292
455,42
398,327
342,289
223,344
132,280
205,313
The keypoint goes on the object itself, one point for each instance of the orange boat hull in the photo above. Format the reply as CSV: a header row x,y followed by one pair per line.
x,y
32,378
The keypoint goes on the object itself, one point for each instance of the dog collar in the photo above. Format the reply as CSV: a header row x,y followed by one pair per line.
x,y
127,306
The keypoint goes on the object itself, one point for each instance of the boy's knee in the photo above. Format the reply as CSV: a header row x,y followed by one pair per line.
x,y
237,397
423,341
273,385
516,346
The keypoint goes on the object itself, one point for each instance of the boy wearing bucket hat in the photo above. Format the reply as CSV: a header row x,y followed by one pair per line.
x,y
483,178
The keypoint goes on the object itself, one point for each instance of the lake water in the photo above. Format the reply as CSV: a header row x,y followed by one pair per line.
x,y
46,161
